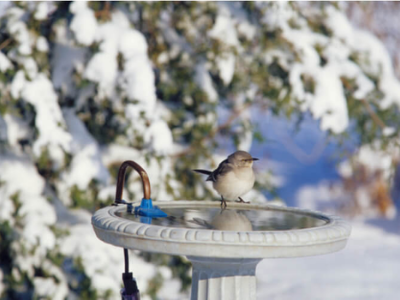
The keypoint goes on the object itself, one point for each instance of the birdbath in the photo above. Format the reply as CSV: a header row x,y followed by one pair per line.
x,y
223,245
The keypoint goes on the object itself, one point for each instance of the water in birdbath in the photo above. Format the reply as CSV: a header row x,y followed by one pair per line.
x,y
214,218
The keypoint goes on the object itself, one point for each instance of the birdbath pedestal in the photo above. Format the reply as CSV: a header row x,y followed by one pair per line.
x,y
224,246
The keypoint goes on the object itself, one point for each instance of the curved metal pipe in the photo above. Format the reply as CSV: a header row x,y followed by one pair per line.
x,y
129,281
121,180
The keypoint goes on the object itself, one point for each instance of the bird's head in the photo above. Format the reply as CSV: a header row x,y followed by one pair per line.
x,y
241,159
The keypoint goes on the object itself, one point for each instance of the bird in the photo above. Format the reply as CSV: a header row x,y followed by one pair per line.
x,y
234,176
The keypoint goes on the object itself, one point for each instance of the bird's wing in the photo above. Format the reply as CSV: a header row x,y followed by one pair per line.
x,y
223,168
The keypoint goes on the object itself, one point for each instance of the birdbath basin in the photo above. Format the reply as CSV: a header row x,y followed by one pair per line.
x,y
224,246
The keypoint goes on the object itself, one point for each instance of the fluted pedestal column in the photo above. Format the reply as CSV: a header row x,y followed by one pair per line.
x,y
223,278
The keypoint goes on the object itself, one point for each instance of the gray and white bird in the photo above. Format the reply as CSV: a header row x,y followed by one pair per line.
x,y
234,176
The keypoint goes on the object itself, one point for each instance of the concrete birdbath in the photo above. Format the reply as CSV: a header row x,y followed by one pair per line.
x,y
224,246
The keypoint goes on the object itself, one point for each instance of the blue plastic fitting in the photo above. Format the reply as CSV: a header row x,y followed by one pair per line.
x,y
146,209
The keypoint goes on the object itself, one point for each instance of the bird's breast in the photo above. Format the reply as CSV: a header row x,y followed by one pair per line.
x,y
235,184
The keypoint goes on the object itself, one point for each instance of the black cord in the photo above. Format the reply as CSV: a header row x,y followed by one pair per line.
x,y
129,282
126,256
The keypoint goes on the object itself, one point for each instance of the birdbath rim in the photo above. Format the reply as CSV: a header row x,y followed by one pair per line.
x,y
118,231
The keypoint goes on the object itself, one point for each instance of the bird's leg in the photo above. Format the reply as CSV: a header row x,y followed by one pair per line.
x,y
223,202
242,201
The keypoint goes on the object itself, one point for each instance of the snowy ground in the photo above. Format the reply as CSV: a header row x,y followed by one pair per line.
x,y
368,268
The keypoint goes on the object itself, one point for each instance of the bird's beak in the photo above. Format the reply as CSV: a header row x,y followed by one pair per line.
x,y
255,158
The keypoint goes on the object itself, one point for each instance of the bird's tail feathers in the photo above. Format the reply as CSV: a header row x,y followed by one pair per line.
x,y
205,172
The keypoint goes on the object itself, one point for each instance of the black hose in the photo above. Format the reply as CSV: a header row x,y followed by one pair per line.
x,y
126,257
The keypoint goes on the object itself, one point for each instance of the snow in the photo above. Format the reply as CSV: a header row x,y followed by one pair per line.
x,y
226,68
107,193
41,44
366,269
103,263
132,43
20,32
1,282
278,15
371,157
246,29
375,160
16,129
103,68
37,210
327,102
168,292
83,24
160,137
330,104
13,168
30,67
387,131
162,58
48,286
49,120
115,154
19,177
42,11
203,79
245,141
5,63
224,29
18,84
138,80
86,164
366,43
345,169
323,197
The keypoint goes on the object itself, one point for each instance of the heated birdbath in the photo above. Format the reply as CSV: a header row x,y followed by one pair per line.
x,y
224,245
